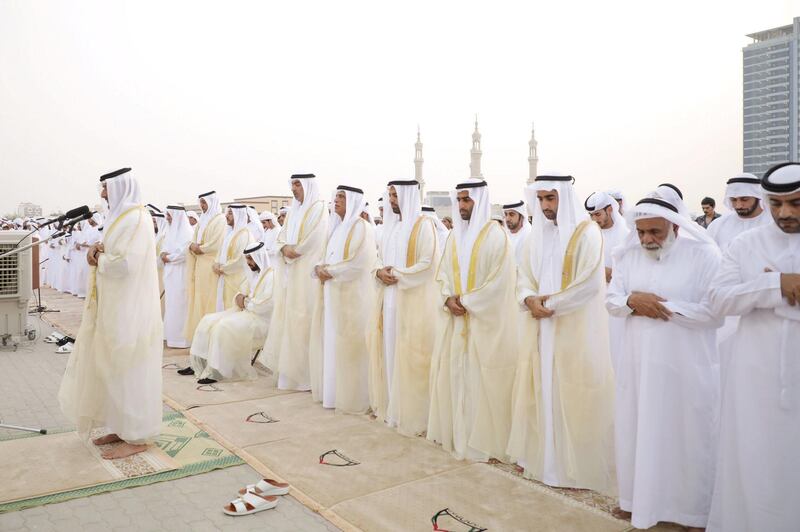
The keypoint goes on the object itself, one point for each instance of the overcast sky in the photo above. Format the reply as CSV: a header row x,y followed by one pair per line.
x,y
236,96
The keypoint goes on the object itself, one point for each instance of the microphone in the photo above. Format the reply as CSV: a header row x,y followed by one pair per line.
x,y
79,218
73,213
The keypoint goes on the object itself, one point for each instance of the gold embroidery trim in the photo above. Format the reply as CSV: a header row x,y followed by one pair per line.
x,y
411,252
568,270
473,259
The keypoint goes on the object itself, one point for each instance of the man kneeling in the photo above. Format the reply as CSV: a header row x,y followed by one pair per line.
x,y
225,342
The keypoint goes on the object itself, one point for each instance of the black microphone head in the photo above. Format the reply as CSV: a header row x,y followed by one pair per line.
x,y
78,211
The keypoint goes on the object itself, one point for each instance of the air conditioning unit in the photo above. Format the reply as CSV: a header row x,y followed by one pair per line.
x,y
15,286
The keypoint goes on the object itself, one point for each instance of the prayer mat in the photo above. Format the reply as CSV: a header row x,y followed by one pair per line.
x,y
276,418
61,467
473,498
182,391
335,466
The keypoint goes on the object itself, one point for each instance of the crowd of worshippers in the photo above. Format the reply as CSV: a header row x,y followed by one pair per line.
x,y
598,344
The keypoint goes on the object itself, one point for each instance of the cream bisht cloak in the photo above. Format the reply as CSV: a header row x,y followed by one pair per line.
x,y
472,369
416,326
113,377
583,383
347,300
228,340
201,281
233,268
286,348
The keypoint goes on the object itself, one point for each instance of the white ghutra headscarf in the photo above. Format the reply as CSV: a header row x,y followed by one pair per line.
x,y
467,231
123,193
339,228
297,210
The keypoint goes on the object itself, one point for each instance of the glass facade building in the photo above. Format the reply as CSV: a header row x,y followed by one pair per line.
x,y
770,98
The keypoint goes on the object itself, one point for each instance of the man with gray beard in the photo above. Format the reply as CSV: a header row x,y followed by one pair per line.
x,y
667,398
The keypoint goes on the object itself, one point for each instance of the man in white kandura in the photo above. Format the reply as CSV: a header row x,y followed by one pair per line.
x,y
301,243
229,265
473,362
563,429
269,222
667,401
173,257
743,196
517,223
202,281
758,468
113,377
339,357
604,210
403,337
442,232
225,343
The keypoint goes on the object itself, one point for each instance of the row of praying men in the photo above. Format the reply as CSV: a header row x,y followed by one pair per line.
x,y
657,363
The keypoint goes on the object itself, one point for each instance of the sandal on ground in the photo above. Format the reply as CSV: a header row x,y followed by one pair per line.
x,y
64,349
250,503
53,338
186,371
266,487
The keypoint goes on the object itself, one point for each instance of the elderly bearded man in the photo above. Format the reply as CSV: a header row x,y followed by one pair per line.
x,y
758,469
665,448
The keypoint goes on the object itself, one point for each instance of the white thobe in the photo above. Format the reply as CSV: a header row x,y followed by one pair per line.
x,y
395,256
613,237
176,302
758,467
518,238
550,283
667,384
723,231
224,342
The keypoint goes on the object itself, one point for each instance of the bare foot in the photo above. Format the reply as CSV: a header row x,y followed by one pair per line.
x,y
108,438
123,450
619,513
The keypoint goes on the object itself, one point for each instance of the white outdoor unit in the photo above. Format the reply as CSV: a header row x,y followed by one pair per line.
x,y
15,285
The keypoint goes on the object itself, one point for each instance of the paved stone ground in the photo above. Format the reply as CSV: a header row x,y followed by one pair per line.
x,y
29,381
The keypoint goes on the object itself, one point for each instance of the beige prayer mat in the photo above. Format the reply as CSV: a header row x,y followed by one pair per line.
x,y
42,465
380,457
184,392
276,418
479,496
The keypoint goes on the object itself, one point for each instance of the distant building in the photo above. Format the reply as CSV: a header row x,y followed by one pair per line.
x,y
264,203
475,154
29,210
770,97
440,201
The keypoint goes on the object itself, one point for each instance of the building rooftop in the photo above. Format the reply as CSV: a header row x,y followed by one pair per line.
x,y
774,33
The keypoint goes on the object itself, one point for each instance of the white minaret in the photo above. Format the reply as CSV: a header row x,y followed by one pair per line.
x,y
533,157
418,160
475,153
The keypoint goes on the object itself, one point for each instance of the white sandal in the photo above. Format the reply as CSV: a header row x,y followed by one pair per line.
x,y
256,503
53,338
66,348
266,487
